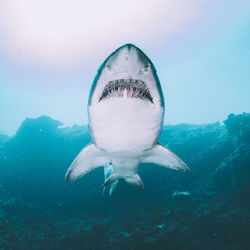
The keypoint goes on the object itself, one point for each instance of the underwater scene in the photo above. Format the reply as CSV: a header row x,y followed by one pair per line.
x,y
207,208
124,125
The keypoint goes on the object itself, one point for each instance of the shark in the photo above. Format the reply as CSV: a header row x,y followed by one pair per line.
x,y
126,110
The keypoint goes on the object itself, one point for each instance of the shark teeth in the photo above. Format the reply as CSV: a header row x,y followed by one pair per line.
x,y
126,87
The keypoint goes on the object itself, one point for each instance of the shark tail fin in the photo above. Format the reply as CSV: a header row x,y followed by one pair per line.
x,y
88,159
133,180
162,156
111,179
108,170
112,187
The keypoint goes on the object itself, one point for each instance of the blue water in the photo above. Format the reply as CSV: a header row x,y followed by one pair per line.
x,y
206,209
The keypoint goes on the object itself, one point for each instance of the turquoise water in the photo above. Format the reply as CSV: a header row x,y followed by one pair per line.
x,y
206,209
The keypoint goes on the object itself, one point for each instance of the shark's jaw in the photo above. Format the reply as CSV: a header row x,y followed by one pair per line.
x,y
132,88
127,72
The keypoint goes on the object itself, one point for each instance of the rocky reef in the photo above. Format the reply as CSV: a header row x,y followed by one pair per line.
x,y
206,209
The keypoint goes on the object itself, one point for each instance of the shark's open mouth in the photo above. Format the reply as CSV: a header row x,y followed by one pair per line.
x,y
127,87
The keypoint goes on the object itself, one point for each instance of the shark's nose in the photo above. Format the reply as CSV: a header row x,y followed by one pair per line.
x,y
130,49
129,46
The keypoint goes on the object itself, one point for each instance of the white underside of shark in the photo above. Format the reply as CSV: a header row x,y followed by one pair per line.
x,y
126,109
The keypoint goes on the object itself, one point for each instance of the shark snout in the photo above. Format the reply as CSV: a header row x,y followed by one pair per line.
x,y
129,53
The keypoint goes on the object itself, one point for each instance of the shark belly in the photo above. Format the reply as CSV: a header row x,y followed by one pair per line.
x,y
125,127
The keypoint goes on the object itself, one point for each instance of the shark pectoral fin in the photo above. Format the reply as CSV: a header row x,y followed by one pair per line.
x,y
164,157
88,159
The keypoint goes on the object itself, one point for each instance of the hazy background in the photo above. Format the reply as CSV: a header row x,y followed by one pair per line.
x,y
50,52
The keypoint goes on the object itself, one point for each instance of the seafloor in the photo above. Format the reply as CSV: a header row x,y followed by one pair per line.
x,y
206,209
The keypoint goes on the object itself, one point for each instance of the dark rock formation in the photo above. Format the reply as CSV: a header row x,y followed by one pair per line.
x,y
206,209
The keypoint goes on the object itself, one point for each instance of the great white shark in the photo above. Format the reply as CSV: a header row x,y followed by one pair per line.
x,y
126,109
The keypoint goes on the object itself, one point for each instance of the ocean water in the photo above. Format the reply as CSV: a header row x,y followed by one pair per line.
x,y
206,209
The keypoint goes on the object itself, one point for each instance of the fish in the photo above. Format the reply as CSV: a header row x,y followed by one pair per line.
x,y
126,112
